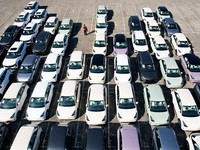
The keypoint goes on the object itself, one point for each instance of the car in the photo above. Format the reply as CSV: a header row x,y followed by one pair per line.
x,y
170,27
15,55
162,13
29,136
146,67
98,69
193,141
126,104
95,139
101,11
134,24
29,68
40,17
42,42
122,69
76,65
13,101
186,110
171,73
29,33
147,14
128,138
197,91
22,19
10,35
101,25
164,138
96,105
120,44
4,133
157,112
100,44
68,102
59,138
51,25
191,67
180,44
159,47
32,7
6,77
3,52
152,28
139,42
52,67
38,107
60,44
66,27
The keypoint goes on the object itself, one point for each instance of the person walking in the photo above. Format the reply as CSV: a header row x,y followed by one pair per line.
x,y
85,29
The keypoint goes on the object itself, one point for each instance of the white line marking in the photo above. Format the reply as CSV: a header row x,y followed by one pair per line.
x,y
65,11
123,18
108,107
92,19
77,19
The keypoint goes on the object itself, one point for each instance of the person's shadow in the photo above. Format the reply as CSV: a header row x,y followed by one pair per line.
x,y
90,32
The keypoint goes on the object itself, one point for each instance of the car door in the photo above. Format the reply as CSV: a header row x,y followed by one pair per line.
x,y
173,40
177,104
47,97
21,96
105,99
163,68
147,102
117,96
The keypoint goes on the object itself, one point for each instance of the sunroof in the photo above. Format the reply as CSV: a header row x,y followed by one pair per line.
x,y
28,27
13,49
21,15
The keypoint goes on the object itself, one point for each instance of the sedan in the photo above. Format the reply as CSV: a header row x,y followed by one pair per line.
x,y
100,44
193,141
162,13
51,25
101,11
134,24
120,44
152,28
101,25
66,27
170,27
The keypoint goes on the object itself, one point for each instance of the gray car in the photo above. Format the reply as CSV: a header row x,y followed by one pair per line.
x,y
29,68
157,111
170,26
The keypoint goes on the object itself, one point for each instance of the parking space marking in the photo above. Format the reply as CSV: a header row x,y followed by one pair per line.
x,y
77,19
65,11
92,19
108,92
123,18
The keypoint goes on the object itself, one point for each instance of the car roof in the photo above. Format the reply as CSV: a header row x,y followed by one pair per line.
x,y
169,20
100,36
29,26
101,19
95,139
29,59
22,14
42,34
156,93
11,28
120,38
122,59
135,18
180,36
139,34
163,8
68,88
76,56
101,7
40,89
59,37
51,58
192,58
152,23
130,138
51,19
186,97
170,62
147,9
98,59
125,90
57,138
39,11
96,92
31,3
65,21
159,39
13,90
15,46
145,58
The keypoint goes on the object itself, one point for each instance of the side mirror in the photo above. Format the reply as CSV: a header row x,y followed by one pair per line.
x,y
86,105
58,67
168,106
137,103
58,100
106,105
47,102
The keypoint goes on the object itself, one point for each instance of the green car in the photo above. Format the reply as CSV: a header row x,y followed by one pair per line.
x,y
171,73
66,27
156,107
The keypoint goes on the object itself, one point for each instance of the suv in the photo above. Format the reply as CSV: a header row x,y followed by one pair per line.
x,y
51,25
5,78
100,44
66,27
40,17
32,7
22,19
162,13
134,24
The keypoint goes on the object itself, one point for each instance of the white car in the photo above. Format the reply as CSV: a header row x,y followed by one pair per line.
x,y
126,102
152,28
69,100
13,101
101,25
100,44
40,17
51,25
97,71
101,11
29,33
66,27
76,65
180,44
96,106
22,19
193,141
147,14
139,42
5,78
32,7
159,47
51,68
15,55
60,44
28,137
122,72
38,107
186,110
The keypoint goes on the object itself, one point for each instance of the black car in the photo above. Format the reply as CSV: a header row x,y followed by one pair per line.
x,y
41,43
3,52
59,138
10,35
95,139
134,24
170,27
146,67
4,133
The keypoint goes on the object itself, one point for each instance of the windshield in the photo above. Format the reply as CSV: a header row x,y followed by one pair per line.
x,y
164,13
40,42
126,103
49,67
58,44
194,68
19,20
120,45
36,102
75,65
101,11
8,103
140,42
148,14
172,26
122,69
101,25
183,44
8,35
173,73
37,17
67,101
135,24
49,24
161,47
157,106
29,7
147,67
190,111
64,27
97,69
25,69
99,44
12,55
27,32
96,105
154,28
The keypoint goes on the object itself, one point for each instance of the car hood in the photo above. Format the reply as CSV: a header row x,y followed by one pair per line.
x,y
5,114
19,24
48,29
172,31
97,76
193,123
35,113
162,54
141,48
48,76
99,49
127,114
23,77
30,11
25,37
148,75
66,112
120,51
175,82
9,62
184,50
96,117
64,32
5,41
160,117
74,72
39,48
57,50
123,77
154,33
36,20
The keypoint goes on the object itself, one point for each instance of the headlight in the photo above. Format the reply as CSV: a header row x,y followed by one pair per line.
x,y
184,124
54,77
119,116
68,74
53,30
12,116
42,114
41,77
168,82
103,78
191,77
74,113
157,54
152,119
58,113
135,115
144,20
26,114
104,118
81,74
104,51
90,78
87,118
149,34
179,50
168,119
129,79
115,52
116,78
94,50
96,31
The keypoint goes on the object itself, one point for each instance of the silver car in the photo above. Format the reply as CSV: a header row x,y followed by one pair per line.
x,y
66,27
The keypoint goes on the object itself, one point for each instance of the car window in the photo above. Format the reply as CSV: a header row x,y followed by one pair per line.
x,y
32,141
117,93
158,141
164,65
57,61
47,92
148,96
120,140
76,91
154,41
178,100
